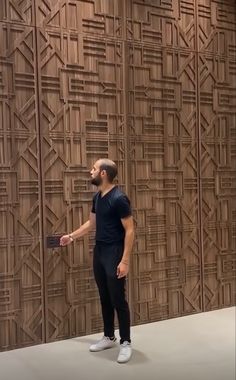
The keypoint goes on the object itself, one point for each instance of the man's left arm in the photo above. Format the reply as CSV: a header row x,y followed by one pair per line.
x,y
123,267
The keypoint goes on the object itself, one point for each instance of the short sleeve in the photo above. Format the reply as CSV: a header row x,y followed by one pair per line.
x,y
123,206
93,209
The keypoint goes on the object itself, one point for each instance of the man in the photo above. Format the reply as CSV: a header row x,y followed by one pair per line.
x,y
111,214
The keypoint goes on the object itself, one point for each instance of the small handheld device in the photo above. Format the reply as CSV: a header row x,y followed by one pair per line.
x,y
53,241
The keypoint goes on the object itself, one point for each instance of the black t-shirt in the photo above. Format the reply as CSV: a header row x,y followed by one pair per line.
x,y
109,210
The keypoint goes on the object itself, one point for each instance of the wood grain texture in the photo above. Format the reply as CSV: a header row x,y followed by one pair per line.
x,y
81,119
150,84
21,275
101,18
217,127
164,183
20,12
168,23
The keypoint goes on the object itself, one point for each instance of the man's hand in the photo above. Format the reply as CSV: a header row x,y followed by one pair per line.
x,y
122,270
81,231
65,240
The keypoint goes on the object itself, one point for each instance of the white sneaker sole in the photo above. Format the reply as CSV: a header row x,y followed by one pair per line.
x,y
94,349
100,349
125,360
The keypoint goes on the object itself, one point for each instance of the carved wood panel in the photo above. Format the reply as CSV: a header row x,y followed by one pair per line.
x,y
165,23
164,182
21,282
99,18
151,84
216,27
217,79
18,12
81,119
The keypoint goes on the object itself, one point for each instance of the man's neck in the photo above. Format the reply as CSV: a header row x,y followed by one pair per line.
x,y
104,189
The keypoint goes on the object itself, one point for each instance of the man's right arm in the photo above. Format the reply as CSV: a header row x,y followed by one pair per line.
x,y
81,231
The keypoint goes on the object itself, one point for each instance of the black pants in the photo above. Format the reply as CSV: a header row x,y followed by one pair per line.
x,y
111,289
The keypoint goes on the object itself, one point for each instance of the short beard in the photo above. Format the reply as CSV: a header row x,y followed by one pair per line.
x,y
97,181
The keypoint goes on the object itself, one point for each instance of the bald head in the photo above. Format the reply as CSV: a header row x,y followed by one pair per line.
x,y
109,166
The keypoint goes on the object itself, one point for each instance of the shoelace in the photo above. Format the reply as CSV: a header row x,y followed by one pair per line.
x,y
125,344
106,339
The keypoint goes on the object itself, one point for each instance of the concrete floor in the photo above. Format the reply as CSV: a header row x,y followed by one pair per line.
x,y
197,347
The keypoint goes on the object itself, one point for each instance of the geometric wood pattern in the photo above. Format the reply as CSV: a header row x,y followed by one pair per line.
x,y
96,18
164,183
150,84
18,12
217,78
81,117
164,23
21,274
166,279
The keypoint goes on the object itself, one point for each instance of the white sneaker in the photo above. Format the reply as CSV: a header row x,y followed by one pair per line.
x,y
125,352
103,344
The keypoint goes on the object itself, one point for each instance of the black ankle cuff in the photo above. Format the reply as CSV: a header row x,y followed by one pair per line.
x,y
125,340
112,338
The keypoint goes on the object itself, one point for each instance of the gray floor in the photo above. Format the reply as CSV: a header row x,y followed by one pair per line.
x,y
198,347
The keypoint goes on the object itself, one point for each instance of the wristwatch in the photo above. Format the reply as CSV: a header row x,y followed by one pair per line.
x,y
71,237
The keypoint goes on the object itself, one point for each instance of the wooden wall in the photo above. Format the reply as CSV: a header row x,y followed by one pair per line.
x,y
152,85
